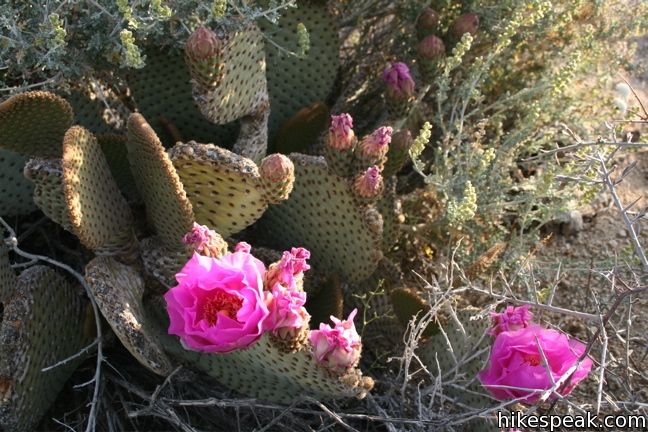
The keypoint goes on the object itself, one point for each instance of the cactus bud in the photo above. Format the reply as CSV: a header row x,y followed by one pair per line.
x,y
431,48
466,23
341,136
202,44
278,176
205,241
369,184
376,145
400,85
337,348
428,21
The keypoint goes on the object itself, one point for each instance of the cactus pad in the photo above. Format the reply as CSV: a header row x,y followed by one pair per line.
x,y
118,290
114,149
162,93
241,81
42,325
225,189
33,124
406,304
463,352
161,263
47,177
7,276
321,215
15,190
264,371
295,83
167,205
98,213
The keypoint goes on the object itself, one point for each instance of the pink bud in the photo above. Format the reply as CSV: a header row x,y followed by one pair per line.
x,y
276,168
377,144
341,136
202,44
428,20
337,349
467,23
370,183
400,84
431,48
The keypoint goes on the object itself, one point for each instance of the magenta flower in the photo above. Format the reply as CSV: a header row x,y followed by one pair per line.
x,y
512,318
219,304
369,184
376,144
338,348
400,84
516,367
341,135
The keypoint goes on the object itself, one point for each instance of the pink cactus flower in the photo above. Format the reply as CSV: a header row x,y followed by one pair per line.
x,y
512,318
377,143
516,367
337,348
370,183
219,304
341,135
243,247
400,85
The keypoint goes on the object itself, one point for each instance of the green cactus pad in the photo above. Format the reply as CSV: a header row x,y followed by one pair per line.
x,y
118,291
328,301
8,277
161,263
99,214
47,177
465,346
42,325
224,188
300,132
162,93
33,124
389,207
406,304
265,372
166,202
321,215
114,149
295,83
242,80
15,190
95,115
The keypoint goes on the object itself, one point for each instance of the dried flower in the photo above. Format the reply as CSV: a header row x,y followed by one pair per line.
x,y
376,144
370,183
341,136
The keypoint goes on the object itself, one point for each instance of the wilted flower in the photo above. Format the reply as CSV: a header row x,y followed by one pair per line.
x,y
205,241
369,184
400,85
219,304
512,318
289,269
517,368
376,144
341,136
337,348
